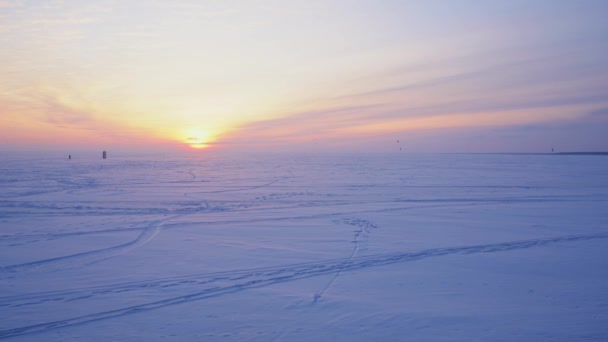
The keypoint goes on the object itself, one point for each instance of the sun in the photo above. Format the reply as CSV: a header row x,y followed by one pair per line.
x,y
198,139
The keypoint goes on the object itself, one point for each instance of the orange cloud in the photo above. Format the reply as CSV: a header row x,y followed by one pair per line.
x,y
498,118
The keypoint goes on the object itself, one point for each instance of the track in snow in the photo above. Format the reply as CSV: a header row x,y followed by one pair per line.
x,y
240,280
364,226
146,236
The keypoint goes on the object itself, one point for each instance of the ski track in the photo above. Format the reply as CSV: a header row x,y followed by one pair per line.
x,y
80,210
188,194
192,175
440,203
101,254
69,260
364,226
252,278
143,238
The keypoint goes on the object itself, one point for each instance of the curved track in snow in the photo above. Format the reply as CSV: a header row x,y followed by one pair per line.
x,y
222,283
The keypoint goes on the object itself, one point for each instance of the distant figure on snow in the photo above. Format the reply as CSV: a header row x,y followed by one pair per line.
x,y
104,155
70,156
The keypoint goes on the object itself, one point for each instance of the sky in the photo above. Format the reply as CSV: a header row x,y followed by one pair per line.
x,y
313,76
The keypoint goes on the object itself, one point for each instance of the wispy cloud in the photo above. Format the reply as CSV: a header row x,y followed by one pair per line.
x,y
62,115
600,113
8,4
513,92
320,70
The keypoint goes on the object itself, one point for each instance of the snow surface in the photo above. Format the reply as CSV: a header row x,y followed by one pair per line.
x,y
295,248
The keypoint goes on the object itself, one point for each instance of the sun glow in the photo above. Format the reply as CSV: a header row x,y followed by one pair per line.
x,y
198,139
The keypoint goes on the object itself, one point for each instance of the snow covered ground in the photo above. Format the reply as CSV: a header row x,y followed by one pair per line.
x,y
294,248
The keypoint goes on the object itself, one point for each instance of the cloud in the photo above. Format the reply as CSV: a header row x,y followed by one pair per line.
x,y
62,115
600,113
36,110
510,90
10,4
47,108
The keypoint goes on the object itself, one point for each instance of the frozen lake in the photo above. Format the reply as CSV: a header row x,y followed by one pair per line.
x,y
349,247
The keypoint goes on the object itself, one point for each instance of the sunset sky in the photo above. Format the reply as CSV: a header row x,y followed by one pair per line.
x,y
331,75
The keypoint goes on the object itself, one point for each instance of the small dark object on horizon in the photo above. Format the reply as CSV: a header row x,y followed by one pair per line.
x,y
104,154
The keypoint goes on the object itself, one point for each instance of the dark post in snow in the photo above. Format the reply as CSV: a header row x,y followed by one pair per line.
x,y
104,154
